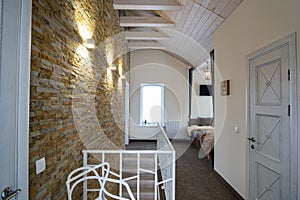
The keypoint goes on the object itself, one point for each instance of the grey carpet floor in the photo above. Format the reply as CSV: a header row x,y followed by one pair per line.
x,y
195,178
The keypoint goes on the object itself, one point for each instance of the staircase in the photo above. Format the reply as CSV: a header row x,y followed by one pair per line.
x,y
143,170
147,179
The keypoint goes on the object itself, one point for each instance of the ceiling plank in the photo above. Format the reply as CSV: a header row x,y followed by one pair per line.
x,y
145,21
208,43
195,21
145,45
172,15
221,6
214,25
138,35
205,26
146,5
191,17
182,15
230,7
213,4
200,23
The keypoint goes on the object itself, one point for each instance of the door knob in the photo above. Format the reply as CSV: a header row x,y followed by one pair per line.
x,y
252,146
252,139
8,193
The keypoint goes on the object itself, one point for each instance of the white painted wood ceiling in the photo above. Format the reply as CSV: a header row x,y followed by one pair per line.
x,y
182,27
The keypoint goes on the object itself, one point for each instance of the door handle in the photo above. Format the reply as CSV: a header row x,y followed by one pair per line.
x,y
8,193
252,139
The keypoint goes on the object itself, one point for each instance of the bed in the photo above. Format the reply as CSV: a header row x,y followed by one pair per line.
x,y
201,132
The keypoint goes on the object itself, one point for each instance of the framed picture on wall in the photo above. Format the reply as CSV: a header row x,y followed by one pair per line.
x,y
225,88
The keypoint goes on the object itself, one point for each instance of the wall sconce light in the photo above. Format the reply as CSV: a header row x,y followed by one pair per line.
x,y
89,43
122,77
113,67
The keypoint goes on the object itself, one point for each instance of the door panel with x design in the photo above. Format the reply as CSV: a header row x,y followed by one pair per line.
x,y
269,125
269,136
268,83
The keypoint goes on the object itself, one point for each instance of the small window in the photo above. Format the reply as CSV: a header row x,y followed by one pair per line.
x,y
151,104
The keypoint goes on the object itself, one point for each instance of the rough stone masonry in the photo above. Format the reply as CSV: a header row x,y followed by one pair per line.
x,y
69,84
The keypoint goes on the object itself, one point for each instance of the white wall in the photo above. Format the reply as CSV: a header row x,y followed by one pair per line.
x,y
202,106
155,66
253,25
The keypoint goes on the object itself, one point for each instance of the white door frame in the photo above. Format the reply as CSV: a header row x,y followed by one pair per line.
x,y
289,40
127,117
24,95
22,47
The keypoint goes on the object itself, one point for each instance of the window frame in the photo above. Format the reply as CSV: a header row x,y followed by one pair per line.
x,y
162,87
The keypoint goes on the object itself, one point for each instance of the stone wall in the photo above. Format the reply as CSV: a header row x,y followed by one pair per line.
x,y
76,101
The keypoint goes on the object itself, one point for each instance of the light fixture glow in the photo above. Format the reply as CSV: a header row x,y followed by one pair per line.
x,y
207,74
82,51
89,43
113,67
109,51
122,77
84,32
120,69
109,77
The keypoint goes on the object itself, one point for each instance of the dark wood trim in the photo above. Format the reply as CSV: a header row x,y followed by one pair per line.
x,y
190,91
212,70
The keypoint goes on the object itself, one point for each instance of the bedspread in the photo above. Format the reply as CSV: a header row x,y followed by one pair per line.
x,y
194,128
207,143
205,135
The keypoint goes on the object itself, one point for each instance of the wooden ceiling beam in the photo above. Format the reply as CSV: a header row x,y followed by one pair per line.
x,y
145,45
145,21
139,35
180,58
146,5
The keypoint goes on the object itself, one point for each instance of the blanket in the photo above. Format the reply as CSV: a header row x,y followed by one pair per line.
x,y
205,135
207,144
192,128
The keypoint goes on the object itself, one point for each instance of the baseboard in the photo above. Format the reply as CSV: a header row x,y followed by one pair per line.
x,y
239,197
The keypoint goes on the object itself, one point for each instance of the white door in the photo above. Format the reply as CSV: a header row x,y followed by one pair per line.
x,y
270,132
14,97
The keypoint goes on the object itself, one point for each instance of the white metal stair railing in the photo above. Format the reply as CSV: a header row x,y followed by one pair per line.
x,y
167,164
164,160
83,174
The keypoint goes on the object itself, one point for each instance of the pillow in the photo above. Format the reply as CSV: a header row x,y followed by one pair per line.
x,y
193,122
201,121
205,121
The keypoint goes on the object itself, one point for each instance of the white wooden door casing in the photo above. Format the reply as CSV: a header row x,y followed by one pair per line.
x,y
271,164
14,94
8,91
269,125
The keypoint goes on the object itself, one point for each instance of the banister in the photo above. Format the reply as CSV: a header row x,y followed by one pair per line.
x,y
164,160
